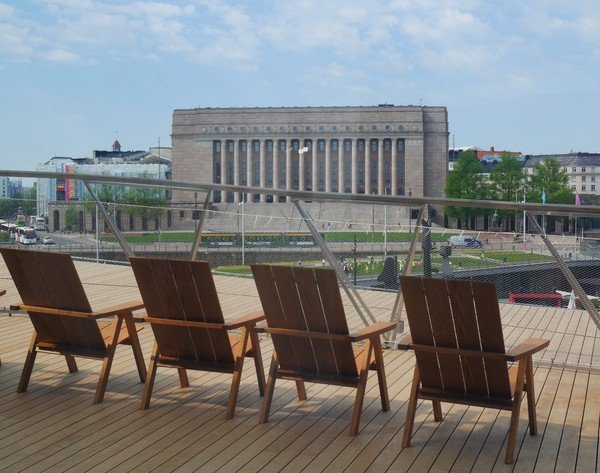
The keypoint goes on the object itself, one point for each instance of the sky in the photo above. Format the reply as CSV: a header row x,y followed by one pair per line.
x,y
75,74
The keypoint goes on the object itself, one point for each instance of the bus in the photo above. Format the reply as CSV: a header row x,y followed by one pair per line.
x,y
10,228
37,223
26,236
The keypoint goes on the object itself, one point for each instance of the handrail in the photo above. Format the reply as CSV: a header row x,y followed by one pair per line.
x,y
540,209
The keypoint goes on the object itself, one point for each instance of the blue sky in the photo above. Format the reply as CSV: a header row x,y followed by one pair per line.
x,y
515,75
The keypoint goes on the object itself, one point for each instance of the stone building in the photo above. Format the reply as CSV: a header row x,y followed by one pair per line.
x,y
385,149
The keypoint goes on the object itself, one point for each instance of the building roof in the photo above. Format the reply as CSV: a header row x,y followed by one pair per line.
x,y
570,159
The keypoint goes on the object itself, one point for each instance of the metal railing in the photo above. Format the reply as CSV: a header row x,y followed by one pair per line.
x,y
368,239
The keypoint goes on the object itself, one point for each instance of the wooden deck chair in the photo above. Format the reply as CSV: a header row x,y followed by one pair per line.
x,y
306,321
63,321
184,312
456,333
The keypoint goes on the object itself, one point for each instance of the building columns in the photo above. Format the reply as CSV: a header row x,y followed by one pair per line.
x,y
288,167
341,166
394,177
301,158
249,153
327,165
367,165
380,182
223,169
315,168
236,168
262,170
275,168
354,166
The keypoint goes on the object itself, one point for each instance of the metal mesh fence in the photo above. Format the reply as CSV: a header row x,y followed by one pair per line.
x,y
369,243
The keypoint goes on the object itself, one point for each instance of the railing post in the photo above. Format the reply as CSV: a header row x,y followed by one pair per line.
x,y
583,298
124,246
349,288
198,235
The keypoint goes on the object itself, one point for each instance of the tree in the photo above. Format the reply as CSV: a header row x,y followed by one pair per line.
x,y
549,178
467,181
71,218
27,200
507,180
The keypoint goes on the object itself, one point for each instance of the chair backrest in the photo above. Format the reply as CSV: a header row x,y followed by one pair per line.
x,y
50,280
462,315
183,290
306,299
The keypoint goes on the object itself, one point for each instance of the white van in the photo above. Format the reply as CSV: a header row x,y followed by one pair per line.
x,y
458,241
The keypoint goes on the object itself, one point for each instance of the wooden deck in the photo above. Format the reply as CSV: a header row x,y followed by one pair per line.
x,y
55,427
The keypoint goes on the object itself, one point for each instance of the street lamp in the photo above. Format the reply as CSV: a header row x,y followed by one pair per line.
x,y
243,229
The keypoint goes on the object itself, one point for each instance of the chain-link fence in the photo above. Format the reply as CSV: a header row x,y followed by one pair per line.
x,y
370,244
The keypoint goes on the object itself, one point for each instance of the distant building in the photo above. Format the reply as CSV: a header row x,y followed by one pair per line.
x,y
9,187
116,163
494,156
583,169
385,149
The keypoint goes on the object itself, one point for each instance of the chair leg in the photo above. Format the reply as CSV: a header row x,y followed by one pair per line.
x,y
360,389
258,363
237,373
107,363
71,363
135,346
411,409
437,411
531,397
301,388
28,367
514,417
184,382
270,387
383,391
150,377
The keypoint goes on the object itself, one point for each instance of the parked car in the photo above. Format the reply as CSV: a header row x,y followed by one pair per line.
x,y
47,240
457,241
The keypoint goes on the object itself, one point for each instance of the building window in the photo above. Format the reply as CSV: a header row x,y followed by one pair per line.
x,y
593,178
282,146
583,187
593,169
244,146
593,187
583,169
400,145
583,178
361,145
321,145
347,145
334,145
295,145
564,169
217,146
386,145
230,146
574,188
374,145
309,145
574,169
256,146
269,146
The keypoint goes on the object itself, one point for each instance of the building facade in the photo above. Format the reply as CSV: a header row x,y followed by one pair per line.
x,y
583,170
384,150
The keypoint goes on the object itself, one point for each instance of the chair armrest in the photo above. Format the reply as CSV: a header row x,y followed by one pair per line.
x,y
248,319
526,348
372,331
119,309
184,323
59,312
405,342
261,326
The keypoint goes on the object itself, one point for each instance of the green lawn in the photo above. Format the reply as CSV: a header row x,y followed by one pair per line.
x,y
517,257
377,237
